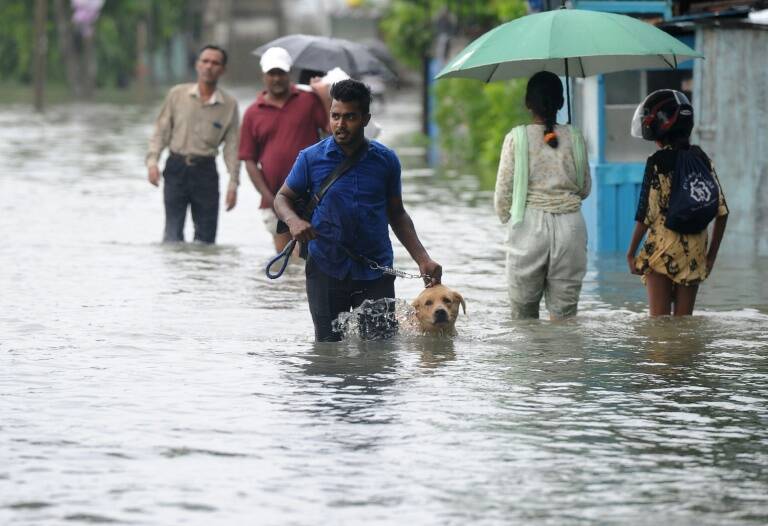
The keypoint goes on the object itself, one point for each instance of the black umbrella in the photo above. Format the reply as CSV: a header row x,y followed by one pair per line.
x,y
324,53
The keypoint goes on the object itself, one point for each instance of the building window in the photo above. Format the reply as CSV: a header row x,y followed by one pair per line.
x,y
623,92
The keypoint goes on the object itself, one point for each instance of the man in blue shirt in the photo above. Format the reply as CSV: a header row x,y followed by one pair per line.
x,y
351,223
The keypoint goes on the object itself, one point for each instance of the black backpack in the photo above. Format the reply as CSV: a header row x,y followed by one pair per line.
x,y
694,196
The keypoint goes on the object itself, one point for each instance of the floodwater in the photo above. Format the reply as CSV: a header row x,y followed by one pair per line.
x,y
151,384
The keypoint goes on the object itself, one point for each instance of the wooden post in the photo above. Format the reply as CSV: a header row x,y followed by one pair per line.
x,y
40,53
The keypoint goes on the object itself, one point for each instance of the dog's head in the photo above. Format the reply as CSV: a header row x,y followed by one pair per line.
x,y
437,308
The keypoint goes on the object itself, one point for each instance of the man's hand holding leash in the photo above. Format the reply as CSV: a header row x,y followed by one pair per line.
x,y
431,271
301,230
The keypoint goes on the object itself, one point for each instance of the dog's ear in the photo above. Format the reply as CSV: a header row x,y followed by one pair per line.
x,y
458,297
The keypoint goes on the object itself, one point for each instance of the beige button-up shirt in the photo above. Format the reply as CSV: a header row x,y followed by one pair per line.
x,y
189,126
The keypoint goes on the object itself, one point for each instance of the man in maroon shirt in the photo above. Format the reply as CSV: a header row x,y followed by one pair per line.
x,y
283,121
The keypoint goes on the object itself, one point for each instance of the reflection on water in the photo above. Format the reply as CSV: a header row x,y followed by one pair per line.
x,y
155,384
350,381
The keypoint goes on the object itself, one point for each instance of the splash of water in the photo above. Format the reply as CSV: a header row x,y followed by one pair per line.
x,y
378,320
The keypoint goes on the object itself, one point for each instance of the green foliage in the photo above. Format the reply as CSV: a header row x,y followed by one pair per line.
x,y
407,29
16,40
409,25
114,38
507,10
473,117
116,35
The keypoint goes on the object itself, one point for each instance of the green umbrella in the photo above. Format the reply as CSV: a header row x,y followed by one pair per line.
x,y
567,42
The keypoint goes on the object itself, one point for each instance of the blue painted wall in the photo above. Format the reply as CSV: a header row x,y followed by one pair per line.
x,y
610,211
617,195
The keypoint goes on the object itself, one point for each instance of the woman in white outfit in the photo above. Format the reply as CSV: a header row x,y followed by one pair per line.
x,y
547,236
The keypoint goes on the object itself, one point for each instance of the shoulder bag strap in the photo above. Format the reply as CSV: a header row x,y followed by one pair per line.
x,y
520,181
337,172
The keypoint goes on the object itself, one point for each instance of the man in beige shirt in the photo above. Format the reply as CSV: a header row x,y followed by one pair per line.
x,y
194,120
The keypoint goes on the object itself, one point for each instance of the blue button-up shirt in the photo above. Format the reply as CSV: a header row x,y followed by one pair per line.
x,y
353,212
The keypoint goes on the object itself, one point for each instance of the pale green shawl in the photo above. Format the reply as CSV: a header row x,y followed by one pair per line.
x,y
520,183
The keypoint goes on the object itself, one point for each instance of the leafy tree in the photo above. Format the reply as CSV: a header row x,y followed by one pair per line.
x,y
116,34
474,118
16,32
114,38
408,31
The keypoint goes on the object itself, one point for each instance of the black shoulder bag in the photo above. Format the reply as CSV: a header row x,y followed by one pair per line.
x,y
305,206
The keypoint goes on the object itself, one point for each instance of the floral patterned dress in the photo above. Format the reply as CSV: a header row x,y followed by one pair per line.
x,y
680,257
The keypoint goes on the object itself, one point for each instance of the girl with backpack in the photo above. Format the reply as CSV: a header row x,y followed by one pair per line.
x,y
543,177
680,195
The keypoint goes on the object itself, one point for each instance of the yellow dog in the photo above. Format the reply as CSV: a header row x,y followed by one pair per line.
x,y
437,308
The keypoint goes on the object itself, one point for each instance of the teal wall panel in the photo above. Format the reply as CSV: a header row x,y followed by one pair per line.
x,y
617,190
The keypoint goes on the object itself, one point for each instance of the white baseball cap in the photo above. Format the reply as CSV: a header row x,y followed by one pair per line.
x,y
276,58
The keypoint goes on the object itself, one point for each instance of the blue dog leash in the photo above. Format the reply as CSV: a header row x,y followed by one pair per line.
x,y
285,255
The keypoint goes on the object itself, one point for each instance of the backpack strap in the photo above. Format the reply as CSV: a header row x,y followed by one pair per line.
x,y
579,156
520,181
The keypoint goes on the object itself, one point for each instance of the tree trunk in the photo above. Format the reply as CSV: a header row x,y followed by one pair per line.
x,y
89,66
64,31
41,52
